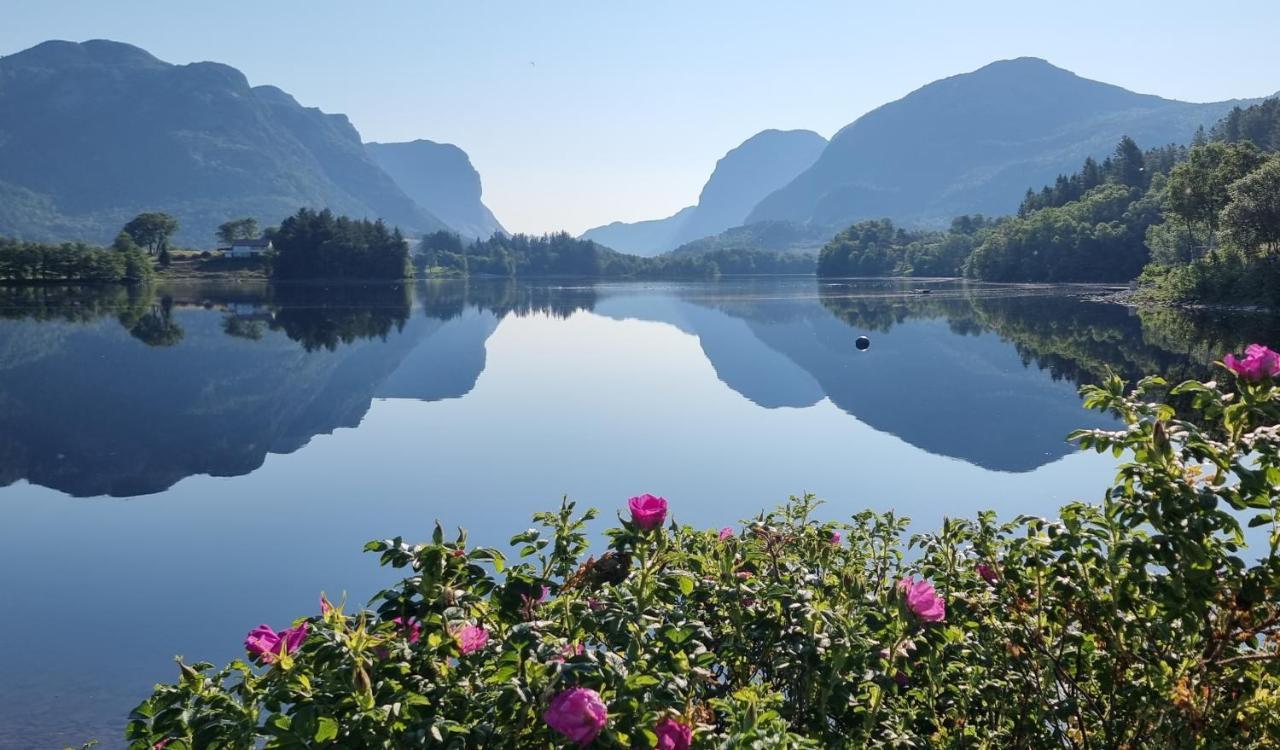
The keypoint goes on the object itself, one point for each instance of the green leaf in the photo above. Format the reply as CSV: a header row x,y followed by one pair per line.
x,y
642,680
685,583
326,729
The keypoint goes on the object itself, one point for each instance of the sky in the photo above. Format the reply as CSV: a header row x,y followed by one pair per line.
x,y
582,113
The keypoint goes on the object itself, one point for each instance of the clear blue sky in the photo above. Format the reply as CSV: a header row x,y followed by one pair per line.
x,y
580,113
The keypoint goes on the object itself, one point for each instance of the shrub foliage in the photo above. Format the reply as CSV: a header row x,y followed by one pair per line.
x,y
1141,621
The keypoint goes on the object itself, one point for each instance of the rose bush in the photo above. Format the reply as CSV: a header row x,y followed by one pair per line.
x,y
1140,621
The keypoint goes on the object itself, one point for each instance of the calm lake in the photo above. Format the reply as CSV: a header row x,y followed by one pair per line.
x,y
177,468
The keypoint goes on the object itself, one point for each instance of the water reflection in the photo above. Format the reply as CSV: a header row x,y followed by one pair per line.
x,y
477,404
109,391
323,317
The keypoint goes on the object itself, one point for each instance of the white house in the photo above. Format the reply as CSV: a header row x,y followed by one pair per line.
x,y
248,248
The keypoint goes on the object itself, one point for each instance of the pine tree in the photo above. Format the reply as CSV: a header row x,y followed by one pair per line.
x,y
1129,163
1090,174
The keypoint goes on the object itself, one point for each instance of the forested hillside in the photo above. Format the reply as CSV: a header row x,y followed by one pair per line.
x,y
560,254
1198,223
94,133
973,142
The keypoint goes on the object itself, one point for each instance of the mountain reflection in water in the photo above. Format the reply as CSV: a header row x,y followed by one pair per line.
x,y
113,392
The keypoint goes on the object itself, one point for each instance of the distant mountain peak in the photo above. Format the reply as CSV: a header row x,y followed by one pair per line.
x,y
58,52
81,121
744,175
1033,76
974,143
118,53
1025,62
439,175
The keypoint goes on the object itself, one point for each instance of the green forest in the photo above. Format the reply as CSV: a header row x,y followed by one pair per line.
x,y
38,262
127,261
560,254
1194,224
310,245
313,245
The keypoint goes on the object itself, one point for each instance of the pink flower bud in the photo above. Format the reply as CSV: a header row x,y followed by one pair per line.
x,y
411,627
673,735
647,511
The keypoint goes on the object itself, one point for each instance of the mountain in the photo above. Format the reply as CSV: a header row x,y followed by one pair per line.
x,y
741,178
206,418
646,238
974,143
792,352
745,175
95,132
439,175
788,237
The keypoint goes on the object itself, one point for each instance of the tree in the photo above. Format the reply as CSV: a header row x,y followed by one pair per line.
x,y
1259,124
137,267
71,261
151,230
1127,164
238,229
1097,238
1198,187
1090,174
320,245
157,327
868,248
123,243
1252,219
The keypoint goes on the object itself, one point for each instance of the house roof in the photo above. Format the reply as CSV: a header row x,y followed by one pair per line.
x,y
251,243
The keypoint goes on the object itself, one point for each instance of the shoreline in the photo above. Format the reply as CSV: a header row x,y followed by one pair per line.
x,y
254,275
1131,298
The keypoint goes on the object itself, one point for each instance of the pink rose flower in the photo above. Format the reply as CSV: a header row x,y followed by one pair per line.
x,y
1258,363
293,637
923,601
412,627
471,638
578,714
726,533
647,511
265,644
835,537
672,735
988,573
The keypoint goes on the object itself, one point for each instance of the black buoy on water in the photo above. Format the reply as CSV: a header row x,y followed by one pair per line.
x,y
863,343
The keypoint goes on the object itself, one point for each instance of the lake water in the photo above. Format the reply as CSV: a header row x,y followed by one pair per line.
x,y
176,469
